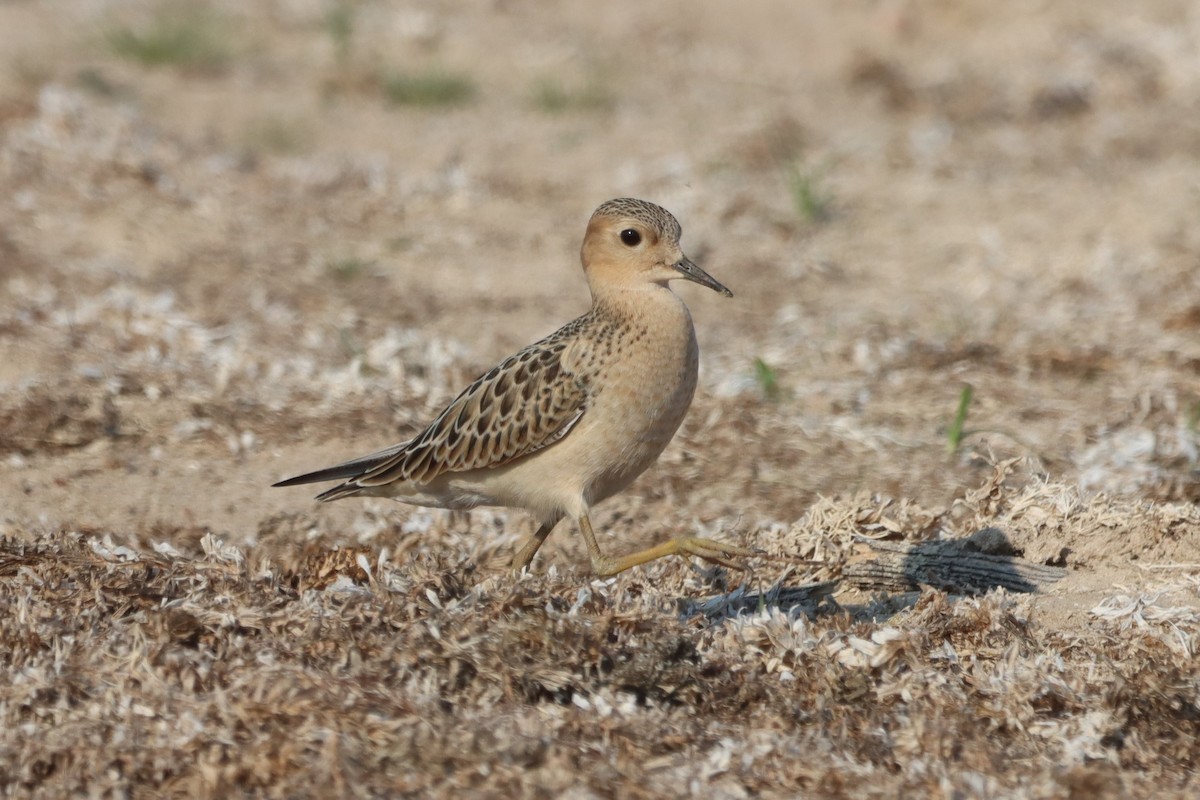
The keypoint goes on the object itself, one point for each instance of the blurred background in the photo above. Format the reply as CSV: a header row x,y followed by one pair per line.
x,y
239,240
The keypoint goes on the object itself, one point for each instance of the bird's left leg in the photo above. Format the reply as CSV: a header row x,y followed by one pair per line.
x,y
523,557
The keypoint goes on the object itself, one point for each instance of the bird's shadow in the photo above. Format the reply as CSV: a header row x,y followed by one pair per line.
x,y
975,565
812,599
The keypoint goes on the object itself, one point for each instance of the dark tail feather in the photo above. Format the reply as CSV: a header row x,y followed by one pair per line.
x,y
327,474
341,490
340,472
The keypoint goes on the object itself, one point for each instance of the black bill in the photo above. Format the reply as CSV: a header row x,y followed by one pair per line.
x,y
693,273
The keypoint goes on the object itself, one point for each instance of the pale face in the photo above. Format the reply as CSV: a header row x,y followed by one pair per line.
x,y
624,248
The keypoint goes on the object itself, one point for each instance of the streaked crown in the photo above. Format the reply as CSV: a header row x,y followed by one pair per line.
x,y
654,217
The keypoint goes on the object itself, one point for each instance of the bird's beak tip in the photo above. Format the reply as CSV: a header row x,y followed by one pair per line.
x,y
690,270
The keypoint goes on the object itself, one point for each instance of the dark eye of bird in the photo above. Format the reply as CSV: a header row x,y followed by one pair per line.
x,y
631,237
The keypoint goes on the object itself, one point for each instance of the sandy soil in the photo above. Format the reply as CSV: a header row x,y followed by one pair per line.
x,y
250,259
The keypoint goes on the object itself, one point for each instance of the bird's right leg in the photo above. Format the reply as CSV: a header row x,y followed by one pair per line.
x,y
707,549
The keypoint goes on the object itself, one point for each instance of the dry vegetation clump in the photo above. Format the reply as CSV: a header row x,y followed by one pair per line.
x,y
214,671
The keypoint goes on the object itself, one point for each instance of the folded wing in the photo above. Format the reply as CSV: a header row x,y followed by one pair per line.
x,y
526,403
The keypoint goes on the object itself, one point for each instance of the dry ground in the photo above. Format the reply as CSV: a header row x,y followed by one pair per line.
x,y
240,242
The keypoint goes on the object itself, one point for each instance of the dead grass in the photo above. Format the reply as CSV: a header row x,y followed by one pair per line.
x,y
241,669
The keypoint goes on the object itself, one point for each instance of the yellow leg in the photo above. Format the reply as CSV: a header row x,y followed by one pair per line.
x,y
525,555
706,549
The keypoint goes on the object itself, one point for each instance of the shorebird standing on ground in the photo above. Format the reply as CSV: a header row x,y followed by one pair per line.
x,y
572,419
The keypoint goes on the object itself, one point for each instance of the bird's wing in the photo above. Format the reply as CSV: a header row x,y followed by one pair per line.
x,y
526,403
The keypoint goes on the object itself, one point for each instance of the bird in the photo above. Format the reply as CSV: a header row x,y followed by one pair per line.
x,y
574,418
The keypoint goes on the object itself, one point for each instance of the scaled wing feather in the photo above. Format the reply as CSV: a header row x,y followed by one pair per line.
x,y
528,402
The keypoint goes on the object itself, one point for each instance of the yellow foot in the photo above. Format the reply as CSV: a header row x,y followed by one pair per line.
x,y
707,549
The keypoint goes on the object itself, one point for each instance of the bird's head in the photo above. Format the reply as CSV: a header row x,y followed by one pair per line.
x,y
631,242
